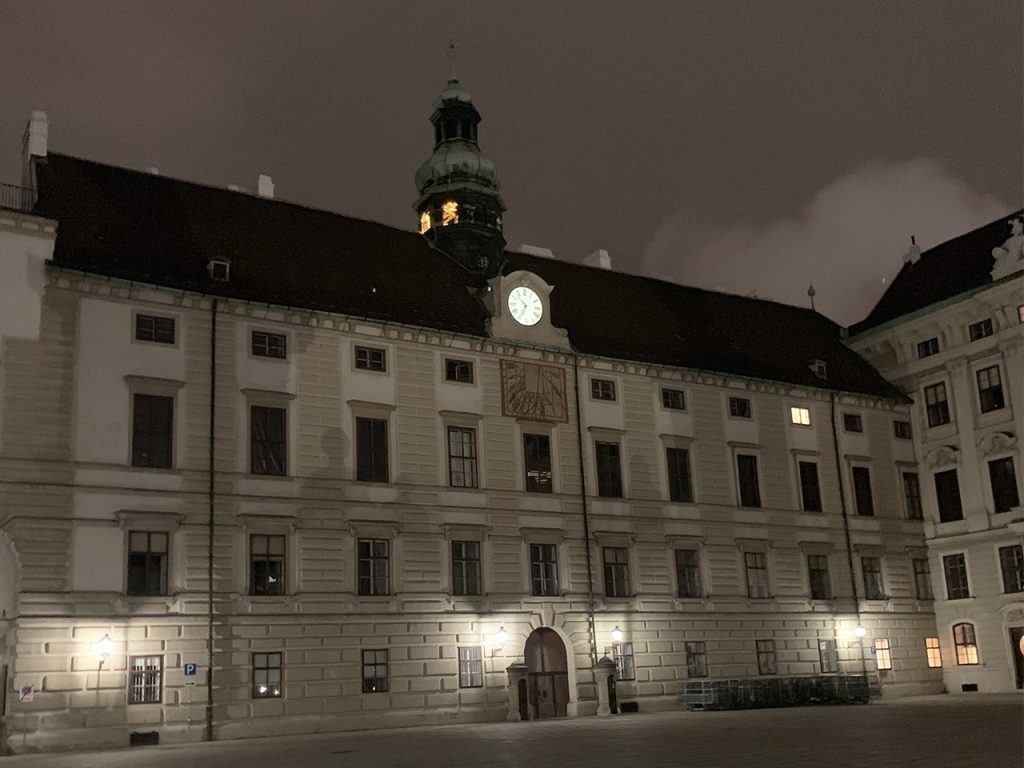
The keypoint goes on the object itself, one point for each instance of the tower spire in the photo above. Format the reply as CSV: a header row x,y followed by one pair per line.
x,y
451,54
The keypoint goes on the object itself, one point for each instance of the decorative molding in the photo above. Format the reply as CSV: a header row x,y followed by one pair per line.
x,y
997,442
943,456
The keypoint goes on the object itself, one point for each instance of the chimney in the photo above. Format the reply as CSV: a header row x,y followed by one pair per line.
x,y
33,145
914,254
234,188
265,187
536,250
599,258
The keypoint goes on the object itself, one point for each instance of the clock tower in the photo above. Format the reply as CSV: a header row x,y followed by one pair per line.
x,y
459,206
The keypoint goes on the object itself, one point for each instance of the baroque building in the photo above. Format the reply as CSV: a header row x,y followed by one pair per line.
x,y
443,481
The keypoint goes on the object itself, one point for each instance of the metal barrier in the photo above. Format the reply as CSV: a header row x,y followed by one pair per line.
x,y
761,693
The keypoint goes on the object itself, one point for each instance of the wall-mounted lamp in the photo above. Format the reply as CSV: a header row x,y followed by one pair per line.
x,y
103,649
501,636
859,631
617,634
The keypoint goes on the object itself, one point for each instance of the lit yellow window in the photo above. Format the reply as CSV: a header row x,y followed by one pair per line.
x,y
931,647
883,656
449,213
424,221
800,416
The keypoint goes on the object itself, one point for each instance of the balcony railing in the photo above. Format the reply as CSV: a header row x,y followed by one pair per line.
x,y
16,198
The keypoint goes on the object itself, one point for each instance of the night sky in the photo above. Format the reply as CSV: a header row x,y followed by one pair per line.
x,y
749,146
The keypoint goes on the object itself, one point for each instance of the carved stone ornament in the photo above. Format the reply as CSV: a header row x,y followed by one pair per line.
x,y
1010,255
997,442
942,456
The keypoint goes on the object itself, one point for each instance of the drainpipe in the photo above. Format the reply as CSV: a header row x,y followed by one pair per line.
x,y
591,629
211,522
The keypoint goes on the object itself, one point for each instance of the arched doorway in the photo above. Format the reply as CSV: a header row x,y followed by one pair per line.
x,y
548,673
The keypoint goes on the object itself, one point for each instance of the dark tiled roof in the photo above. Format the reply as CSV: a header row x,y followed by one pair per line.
x,y
153,229
942,272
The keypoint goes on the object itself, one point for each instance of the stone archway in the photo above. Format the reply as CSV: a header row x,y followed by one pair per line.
x,y
548,674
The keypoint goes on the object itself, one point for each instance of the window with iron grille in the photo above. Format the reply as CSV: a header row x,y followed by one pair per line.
x,y
990,389
266,564
817,573
756,567
616,572
471,667
852,422
372,450
862,491
462,457
602,389
266,675
871,568
679,485
980,329
750,488
374,567
460,371
153,328
375,671
955,569
936,404
928,347
1004,484
466,568
543,570
828,657
609,470
371,359
673,399
766,663
696,659
267,436
145,679
810,489
883,654
152,431
269,345
933,652
947,493
688,573
147,563
537,462
922,579
1011,563
966,644
912,496
739,407
901,429
624,668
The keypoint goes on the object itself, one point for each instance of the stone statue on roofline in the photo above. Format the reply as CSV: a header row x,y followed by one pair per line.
x,y
1010,255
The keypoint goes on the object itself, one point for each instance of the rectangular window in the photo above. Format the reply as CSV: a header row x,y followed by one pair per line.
x,y
955,569
817,572
912,496
679,485
266,564
990,389
266,675
947,492
933,652
766,664
756,566
810,489
1004,484
460,371
696,659
471,667
466,568
375,671
147,563
372,450
936,404
871,568
152,328
371,359
267,437
152,431
609,470
145,679
673,399
828,657
966,644
922,579
537,462
624,667
543,570
928,347
862,491
374,567
739,407
852,422
462,457
616,572
688,573
269,345
883,655
602,389
980,329
750,489
901,429
1011,563
800,416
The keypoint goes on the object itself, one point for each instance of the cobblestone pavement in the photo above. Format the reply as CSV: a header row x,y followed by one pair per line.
x,y
986,731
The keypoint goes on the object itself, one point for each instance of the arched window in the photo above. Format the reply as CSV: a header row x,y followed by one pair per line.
x,y
449,213
424,221
966,645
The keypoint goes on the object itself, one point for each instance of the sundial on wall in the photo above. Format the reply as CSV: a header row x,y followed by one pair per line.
x,y
533,391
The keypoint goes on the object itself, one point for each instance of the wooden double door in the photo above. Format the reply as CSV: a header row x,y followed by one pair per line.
x,y
548,677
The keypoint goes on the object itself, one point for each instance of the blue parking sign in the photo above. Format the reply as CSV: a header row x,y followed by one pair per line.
x,y
191,671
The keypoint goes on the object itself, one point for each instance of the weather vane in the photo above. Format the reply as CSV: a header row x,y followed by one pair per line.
x,y
451,58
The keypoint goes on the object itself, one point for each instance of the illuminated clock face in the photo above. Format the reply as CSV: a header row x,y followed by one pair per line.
x,y
525,305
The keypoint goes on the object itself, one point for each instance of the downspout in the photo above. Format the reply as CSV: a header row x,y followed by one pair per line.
x,y
591,629
211,524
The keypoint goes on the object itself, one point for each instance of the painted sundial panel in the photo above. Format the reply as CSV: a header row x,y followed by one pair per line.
x,y
533,391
